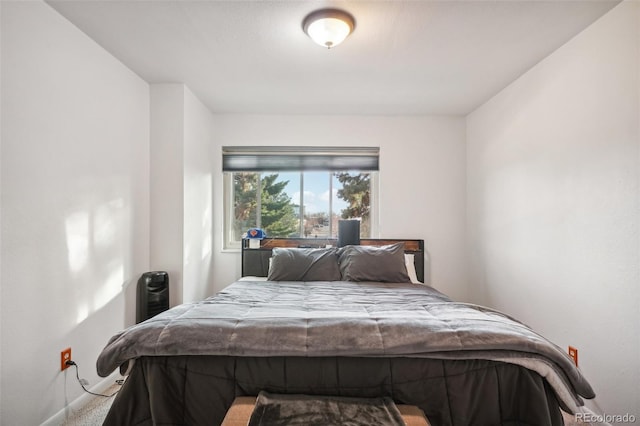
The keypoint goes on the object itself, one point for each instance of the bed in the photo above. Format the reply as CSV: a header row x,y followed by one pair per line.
x,y
354,321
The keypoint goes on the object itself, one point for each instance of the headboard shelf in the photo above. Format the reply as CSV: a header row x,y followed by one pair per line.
x,y
255,261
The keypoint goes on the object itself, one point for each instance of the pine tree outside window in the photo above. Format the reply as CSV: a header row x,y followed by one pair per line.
x,y
298,192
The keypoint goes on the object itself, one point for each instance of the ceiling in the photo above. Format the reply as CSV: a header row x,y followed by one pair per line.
x,y
404,57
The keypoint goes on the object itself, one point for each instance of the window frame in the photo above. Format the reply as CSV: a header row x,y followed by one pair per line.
x,y
229,242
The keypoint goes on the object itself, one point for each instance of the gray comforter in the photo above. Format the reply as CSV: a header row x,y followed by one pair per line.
x,y
316,319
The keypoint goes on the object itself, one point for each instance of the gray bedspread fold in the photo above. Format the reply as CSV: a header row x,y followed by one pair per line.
x,y
314,319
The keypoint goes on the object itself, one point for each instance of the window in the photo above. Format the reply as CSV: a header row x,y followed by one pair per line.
x,y
298,192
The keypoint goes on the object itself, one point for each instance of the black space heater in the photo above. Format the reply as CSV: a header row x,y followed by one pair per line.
x,y
153,295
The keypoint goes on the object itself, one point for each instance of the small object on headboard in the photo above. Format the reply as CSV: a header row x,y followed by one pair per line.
x,y
254,235
348,232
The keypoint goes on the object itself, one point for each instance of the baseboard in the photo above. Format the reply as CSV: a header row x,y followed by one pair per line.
x,y
61,416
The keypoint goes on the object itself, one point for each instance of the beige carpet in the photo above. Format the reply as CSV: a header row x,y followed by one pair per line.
x,y
93,413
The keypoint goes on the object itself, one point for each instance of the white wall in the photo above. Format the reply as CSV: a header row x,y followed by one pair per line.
x,y
75,206
1,135
553,202
422,179
181,191
167,188
198,199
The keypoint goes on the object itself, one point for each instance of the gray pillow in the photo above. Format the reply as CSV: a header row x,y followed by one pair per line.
x,y
371,263
304,264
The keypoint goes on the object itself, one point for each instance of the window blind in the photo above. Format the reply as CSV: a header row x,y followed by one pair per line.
x,y
258,159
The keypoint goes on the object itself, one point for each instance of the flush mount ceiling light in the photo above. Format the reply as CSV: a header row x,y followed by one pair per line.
x,y
328,27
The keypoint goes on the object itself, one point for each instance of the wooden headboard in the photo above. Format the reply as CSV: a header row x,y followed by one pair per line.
x,y
255,261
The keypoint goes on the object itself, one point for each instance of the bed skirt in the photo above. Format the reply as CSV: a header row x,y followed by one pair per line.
x,y
198,390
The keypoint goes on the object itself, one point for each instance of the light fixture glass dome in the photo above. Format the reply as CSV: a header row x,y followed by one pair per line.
x,y
328,27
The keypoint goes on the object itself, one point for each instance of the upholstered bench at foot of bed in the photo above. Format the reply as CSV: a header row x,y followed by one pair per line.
x,y
240,412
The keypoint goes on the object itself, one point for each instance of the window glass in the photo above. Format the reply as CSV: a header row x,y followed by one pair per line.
x,y
316,199
296,204
244,203
353,198
279,211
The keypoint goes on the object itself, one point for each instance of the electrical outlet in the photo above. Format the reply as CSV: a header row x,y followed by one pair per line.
x,y
573,353
65,356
